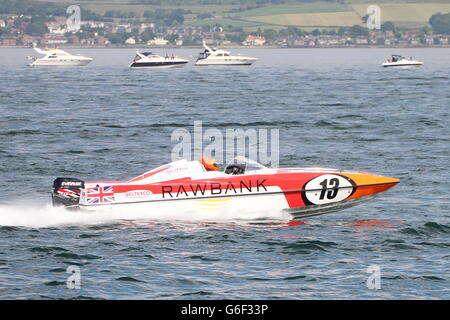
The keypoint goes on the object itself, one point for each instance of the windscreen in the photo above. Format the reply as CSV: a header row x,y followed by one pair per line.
x,y
246,163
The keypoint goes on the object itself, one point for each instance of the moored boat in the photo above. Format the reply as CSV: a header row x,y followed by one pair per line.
x,y
58,57
212,56
151,60
400,61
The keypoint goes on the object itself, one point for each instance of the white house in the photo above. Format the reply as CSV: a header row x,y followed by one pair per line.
x,y
254,41
130,40
158,42
57,28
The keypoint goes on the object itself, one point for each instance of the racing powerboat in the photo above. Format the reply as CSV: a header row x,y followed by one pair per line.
x,y
149,59
57,57
243,183
400,61
221,57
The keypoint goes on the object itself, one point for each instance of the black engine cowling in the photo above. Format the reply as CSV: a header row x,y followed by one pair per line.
x,y
66,191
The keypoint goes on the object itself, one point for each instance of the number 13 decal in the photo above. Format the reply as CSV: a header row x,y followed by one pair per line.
x,y
331,194
327,188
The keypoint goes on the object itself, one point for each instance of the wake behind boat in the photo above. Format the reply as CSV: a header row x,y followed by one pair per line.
x,y
200,185
151,60
221,57
400,61
58,57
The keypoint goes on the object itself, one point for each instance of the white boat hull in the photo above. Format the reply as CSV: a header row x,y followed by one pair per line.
x,y
161,65
402,64
241,61
267,205
61,63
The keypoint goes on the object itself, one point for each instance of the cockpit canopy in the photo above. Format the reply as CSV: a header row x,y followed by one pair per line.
x,y
214,52
204,54
397,57
240,165
147,54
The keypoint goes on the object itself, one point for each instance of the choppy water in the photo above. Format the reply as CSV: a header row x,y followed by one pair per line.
x,y
334,108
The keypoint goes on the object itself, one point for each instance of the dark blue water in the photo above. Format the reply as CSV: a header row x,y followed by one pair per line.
x,y
334,108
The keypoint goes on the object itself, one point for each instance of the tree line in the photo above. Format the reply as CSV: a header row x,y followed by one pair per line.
x,y
37,8
159,16
440,23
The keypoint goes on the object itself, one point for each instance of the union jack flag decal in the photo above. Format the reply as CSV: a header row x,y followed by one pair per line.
x,y
99,195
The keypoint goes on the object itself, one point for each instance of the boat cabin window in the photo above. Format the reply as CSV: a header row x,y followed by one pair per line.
x,y
150,55
204,54
396,58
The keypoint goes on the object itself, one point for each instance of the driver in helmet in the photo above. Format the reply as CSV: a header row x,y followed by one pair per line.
x,y
209,164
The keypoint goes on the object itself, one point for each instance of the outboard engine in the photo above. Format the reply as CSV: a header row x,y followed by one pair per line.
x,y
66,191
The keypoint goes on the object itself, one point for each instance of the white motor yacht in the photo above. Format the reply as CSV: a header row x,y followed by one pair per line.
x,y
221,57
151,60
400,61
58,57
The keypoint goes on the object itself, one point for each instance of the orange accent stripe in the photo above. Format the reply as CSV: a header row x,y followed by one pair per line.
x,y
367,178
363,191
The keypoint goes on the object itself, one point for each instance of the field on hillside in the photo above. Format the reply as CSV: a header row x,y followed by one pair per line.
x,y
323,19
406,14
140,8
225,22
303,8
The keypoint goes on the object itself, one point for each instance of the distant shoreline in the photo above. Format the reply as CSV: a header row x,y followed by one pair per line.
x,y
235,47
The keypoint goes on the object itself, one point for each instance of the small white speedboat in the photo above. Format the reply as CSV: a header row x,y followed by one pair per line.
x,y
151,60
57,57
216,57
400,61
